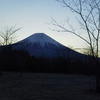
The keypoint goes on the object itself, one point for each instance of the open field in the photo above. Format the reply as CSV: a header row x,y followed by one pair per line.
x,y
38,86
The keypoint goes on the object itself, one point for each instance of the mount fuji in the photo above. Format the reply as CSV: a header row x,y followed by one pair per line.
x,y
41,45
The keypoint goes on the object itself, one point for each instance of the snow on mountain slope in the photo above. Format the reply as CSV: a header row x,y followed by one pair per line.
x,y
41,38
41,45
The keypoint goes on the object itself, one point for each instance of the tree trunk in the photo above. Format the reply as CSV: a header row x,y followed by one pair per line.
x,y
98,79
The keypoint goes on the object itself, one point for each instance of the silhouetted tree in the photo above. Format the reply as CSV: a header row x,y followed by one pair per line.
x,y
7,35
89,22
6,38
5,58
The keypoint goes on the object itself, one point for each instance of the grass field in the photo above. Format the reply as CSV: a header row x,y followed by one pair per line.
x,y
39,86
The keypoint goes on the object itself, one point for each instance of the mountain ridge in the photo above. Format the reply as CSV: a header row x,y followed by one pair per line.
x,y
42,38
42,45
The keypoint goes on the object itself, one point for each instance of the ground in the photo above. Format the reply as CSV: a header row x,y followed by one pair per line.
x,y
39,86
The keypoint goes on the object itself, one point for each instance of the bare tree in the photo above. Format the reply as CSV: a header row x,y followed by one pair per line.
x,y
7,34
88,12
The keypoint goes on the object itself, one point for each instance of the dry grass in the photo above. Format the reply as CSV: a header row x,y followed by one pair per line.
x,y
38,86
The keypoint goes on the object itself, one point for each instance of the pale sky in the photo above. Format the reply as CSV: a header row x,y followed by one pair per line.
x,y
33,16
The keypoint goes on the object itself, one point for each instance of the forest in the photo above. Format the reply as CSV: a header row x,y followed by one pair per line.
x,y
21,61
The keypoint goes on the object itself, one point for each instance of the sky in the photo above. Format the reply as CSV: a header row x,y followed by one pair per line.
x,y
34,16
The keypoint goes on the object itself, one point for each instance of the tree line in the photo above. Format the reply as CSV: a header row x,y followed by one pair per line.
x,y
21,61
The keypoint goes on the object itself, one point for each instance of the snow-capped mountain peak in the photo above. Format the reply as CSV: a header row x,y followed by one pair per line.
x,y
41,38
41,45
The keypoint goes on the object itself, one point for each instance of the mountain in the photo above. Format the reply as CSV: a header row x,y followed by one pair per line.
x,y
41,45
